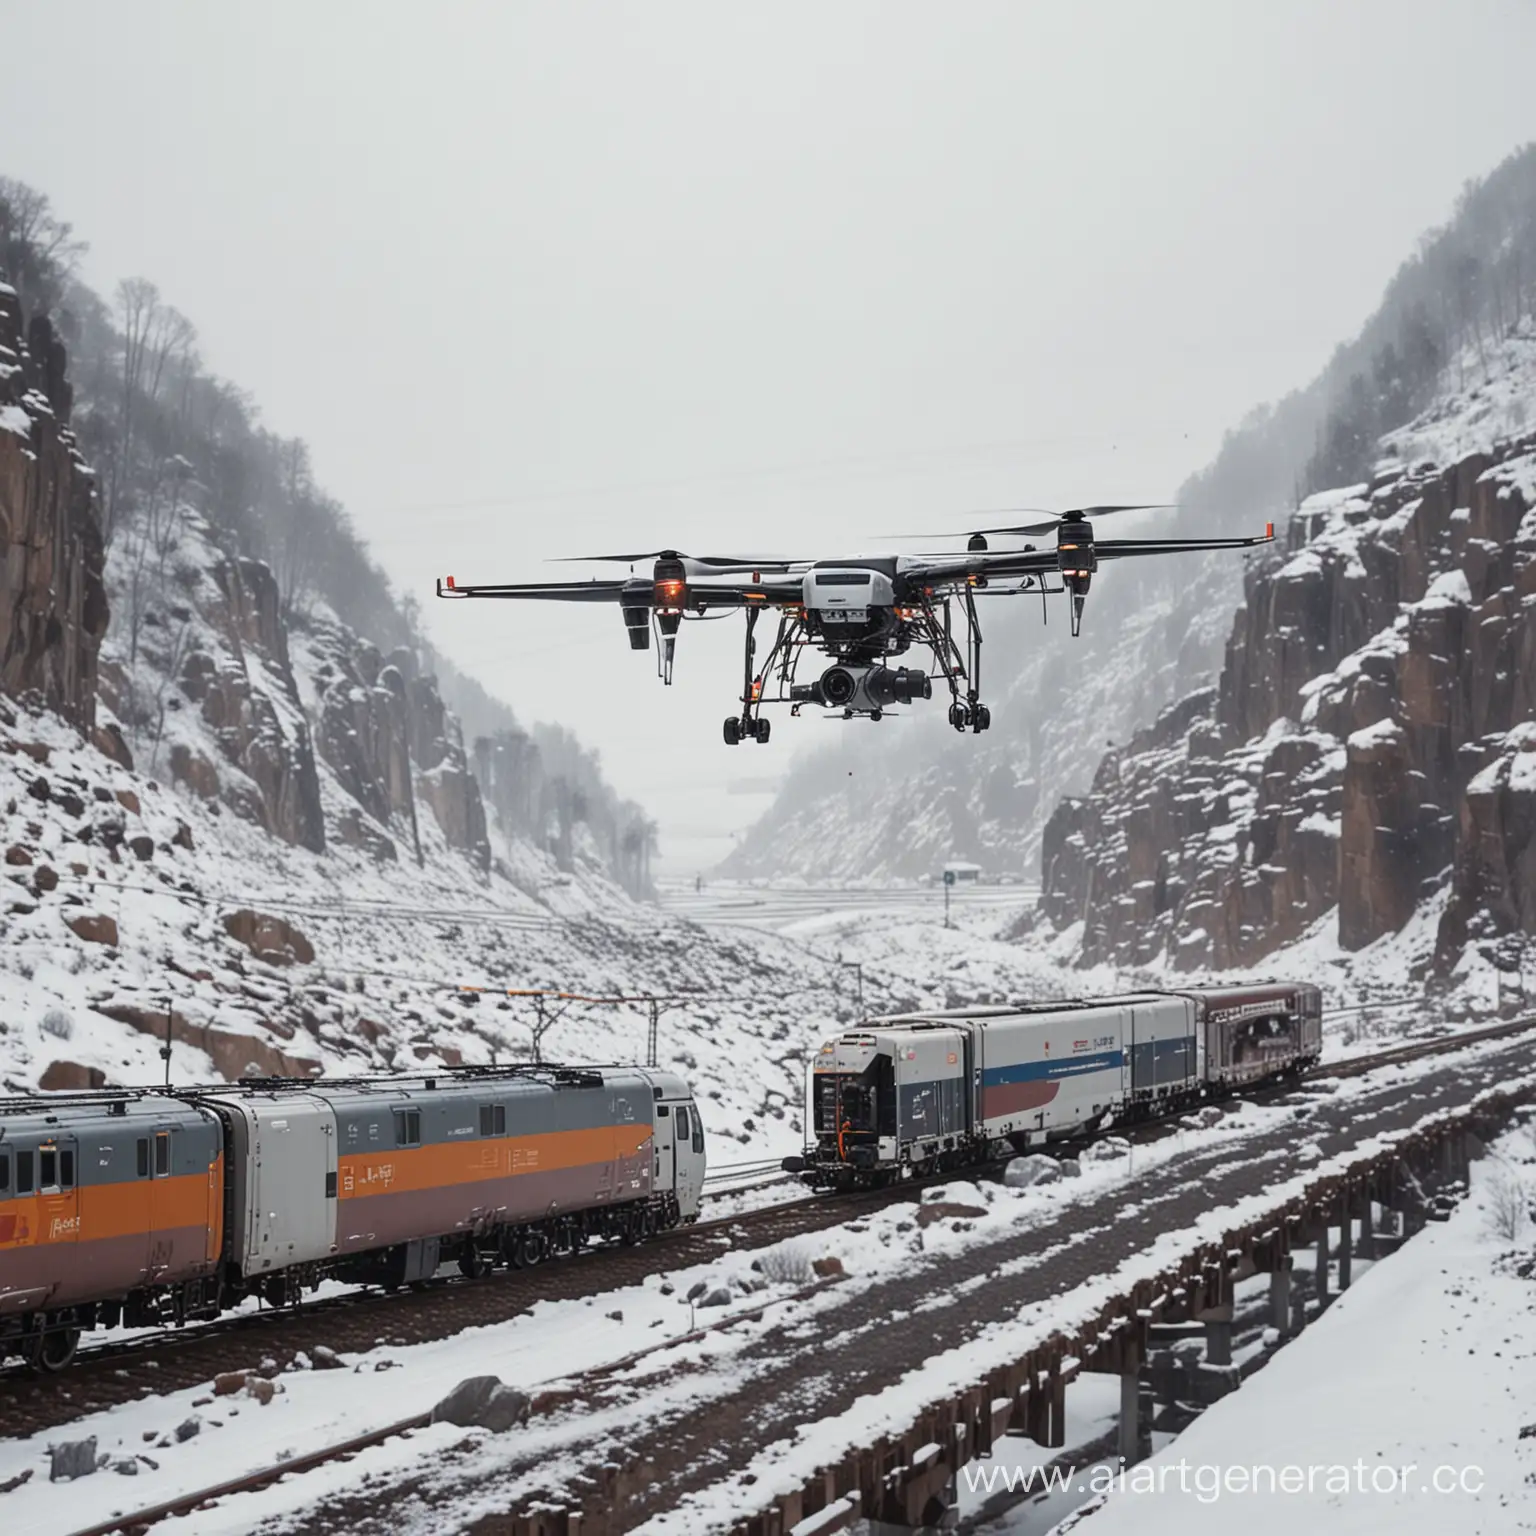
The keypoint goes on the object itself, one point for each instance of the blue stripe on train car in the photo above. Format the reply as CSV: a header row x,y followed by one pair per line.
x,y
1052,1070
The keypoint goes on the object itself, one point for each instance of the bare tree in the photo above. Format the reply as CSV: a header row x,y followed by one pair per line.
x,y
1508,1199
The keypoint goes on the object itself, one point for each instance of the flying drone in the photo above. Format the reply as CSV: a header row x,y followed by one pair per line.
x,y
860,613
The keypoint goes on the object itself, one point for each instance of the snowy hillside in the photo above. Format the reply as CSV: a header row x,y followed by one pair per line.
x,y
1366,769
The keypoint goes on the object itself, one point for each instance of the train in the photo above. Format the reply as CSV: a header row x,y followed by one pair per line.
x,y
152,1207
919,1093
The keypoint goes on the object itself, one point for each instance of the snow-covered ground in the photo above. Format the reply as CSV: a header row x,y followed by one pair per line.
x,y
556,1342
1409,1407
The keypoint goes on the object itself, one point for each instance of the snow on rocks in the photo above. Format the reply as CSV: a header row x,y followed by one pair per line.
x,y
483,1402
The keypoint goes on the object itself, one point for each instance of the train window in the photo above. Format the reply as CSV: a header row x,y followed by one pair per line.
x,y
487,1119
661,1109
684,1130
23,1173
698,1130
5,1172
48,1170
67,1169
143,1150
493,1119
162,1153
501,1119
408,1127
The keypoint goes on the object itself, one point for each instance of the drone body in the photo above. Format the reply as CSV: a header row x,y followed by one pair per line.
x,y
861,613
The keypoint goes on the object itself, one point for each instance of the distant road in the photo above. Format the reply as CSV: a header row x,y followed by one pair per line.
x,y
777,906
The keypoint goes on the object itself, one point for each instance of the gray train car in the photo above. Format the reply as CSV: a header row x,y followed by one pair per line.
x,y
383,1179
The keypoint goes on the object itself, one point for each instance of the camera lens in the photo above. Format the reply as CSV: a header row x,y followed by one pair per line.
x,y
838,686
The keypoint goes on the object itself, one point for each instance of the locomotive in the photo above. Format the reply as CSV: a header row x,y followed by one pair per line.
x,y
150,1207
925,1092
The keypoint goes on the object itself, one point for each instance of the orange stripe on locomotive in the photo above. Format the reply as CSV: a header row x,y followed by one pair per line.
x,y
96,1241
447,1165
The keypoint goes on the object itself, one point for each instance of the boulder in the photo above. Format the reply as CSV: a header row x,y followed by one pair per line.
x,y
45,878
72,1077
143,846
272,939
108,740
17,856
94,928
719,1296
234,1055
1026,1172
940,1210
128,800
72,1459
483,1402
195,771
828,1268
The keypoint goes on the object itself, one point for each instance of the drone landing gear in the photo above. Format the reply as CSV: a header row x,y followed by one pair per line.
x,y
970,716
738,729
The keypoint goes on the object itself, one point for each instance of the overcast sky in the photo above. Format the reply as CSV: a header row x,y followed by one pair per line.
x,y
543,279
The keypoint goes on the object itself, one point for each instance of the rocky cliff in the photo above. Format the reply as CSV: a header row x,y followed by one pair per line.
x,y
1370,745
53,609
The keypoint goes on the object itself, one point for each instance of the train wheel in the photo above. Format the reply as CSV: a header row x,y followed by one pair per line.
x,y
473,1263
530,1250
53,1351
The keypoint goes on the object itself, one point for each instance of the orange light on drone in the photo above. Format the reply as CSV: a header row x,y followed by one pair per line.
x,y
669,594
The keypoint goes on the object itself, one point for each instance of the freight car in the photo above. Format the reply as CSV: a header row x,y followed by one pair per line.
x,y
147,1208
920,1093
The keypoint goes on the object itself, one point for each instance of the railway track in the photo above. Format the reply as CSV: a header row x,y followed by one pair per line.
x,y
402,1429
172,1360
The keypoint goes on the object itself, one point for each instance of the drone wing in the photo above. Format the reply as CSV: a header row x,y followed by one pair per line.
x,y
636,592
548,591
1064,557
1119,549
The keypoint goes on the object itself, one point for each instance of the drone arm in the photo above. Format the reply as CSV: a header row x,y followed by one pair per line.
x,y
1016,563
553,591
1112,549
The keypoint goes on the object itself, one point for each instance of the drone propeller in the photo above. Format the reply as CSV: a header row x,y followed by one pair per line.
x,y
720,564
1052,520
